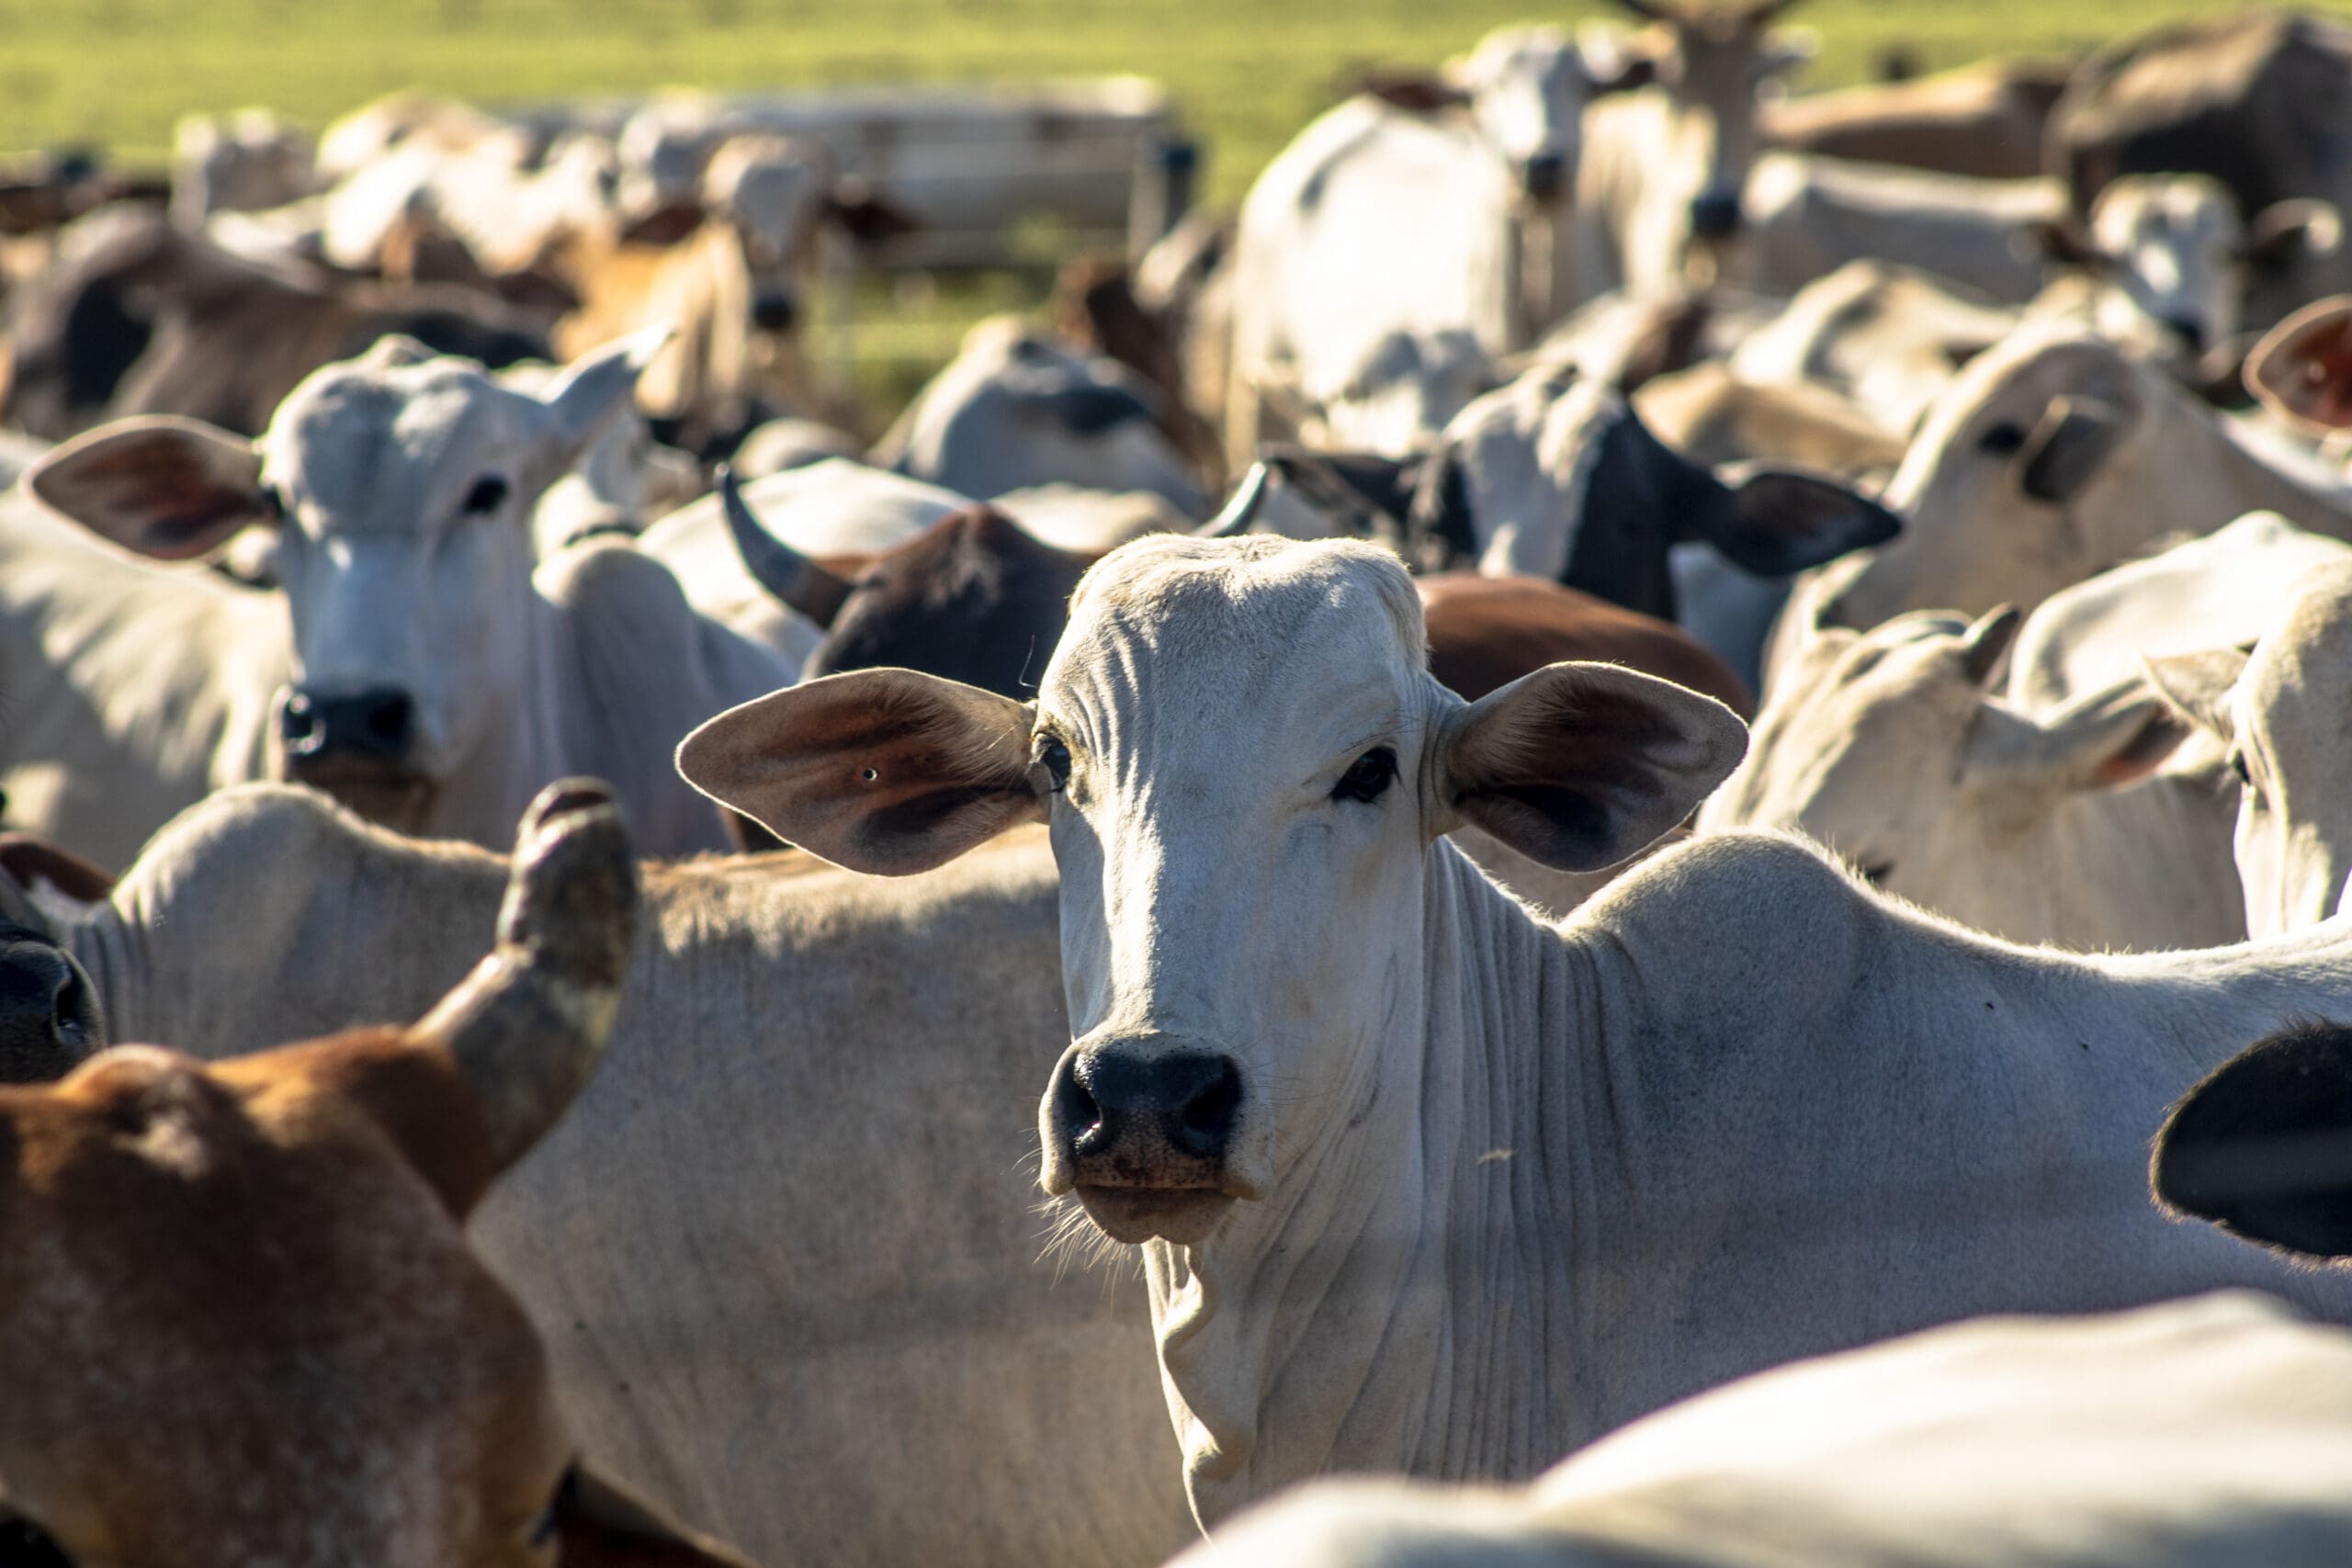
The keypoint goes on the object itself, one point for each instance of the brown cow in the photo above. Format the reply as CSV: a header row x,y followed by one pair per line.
x,y
1486,632
239,1320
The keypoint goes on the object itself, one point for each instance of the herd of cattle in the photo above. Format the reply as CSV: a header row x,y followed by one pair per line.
x,y
1644,776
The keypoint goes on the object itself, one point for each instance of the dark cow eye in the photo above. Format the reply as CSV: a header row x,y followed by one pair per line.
x,y
1874,872
1367,776
2001,440
487,495
1051,754
2237,766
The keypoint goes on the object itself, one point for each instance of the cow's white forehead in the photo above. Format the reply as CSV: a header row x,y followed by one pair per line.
x,y
365,441
1241,610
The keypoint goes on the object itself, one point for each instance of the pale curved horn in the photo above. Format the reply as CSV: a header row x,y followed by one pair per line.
x,y
1239,510
791,578
526,1028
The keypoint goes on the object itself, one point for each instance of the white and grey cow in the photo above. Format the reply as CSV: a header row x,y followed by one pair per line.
x,y
2199,1434
439,674
1425,1185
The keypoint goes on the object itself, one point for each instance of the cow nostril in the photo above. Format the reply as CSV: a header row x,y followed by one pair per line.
x,y
1543,175
773,313
70,1012
1075,1110
1208,1118
387,723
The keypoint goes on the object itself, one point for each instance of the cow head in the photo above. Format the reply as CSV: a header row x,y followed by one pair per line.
x,y
1710,65
1894,748
1525,89
1555,476
402,487
1244,760
2171,249
239,1320
1017,408
2279,710
2020,480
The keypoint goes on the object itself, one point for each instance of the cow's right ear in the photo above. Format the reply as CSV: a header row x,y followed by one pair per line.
x,y
2198,685
1580,766
881,771
2263,1148
2302,370
167,488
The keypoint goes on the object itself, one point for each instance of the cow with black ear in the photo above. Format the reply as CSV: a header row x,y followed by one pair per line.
x,y
1556,476
2263,1146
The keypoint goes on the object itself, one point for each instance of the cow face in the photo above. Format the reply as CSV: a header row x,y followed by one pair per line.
x,y
2019,474
1710,65
1527,90
1244,761
402,487
1892,748
2279,710
770,192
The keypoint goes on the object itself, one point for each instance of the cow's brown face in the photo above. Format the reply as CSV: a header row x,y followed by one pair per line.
x,y
239,1323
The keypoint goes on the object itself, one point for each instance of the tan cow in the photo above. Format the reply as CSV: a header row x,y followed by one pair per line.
x,y
239,1320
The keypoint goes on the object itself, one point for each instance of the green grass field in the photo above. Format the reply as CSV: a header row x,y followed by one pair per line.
x,y
1246,73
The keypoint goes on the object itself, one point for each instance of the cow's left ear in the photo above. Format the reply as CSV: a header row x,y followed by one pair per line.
x,y
600,1524
1580,766
593,390
868,216
1775,521
2302,370
882,770
2263,1146
2286,232
168,488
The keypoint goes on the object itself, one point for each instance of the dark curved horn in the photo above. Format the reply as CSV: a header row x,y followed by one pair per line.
x,y
526,1028
791,578
1239,510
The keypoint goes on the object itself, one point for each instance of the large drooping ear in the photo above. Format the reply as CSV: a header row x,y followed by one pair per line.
x,y
2263,1148
1775,521
882,770
600,1524
1580,766
2198,685
591,391
2066,448
2285,232
168,488
2302,370
2103,740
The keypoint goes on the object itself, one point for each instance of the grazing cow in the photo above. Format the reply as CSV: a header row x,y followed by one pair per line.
x,y
1898,749
439,674
845,1357
1984,120
736,283
1886,338
2263,1146
2199,1434
2253,100
1427,1186
325,1373
2279,711
2053,456
1455,181
140,318
1016,409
